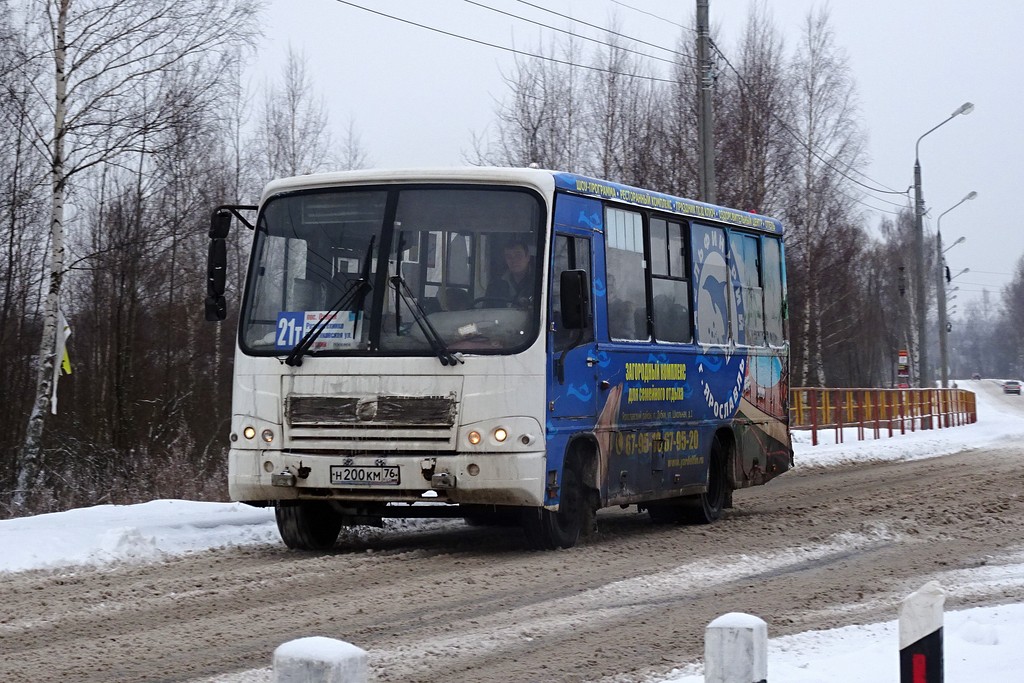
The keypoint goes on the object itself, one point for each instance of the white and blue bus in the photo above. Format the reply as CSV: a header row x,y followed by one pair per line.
x,y
503,345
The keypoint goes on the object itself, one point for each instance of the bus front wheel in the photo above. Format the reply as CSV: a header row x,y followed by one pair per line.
x,y
308,525
547,530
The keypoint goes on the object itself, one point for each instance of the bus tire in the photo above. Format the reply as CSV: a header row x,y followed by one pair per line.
x,y
547,530
308,525
707,507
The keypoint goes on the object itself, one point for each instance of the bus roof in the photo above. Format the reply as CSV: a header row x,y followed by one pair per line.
x,y
656,200
540,179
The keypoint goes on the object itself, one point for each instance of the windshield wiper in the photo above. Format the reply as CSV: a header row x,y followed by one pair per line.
x,y
398,270
355,294
437,344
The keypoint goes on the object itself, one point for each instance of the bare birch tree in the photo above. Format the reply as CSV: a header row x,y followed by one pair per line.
x,y
353,154
105,55
612,88
540,122
22,231
680,152
1013,320
293,134
820,214
754,151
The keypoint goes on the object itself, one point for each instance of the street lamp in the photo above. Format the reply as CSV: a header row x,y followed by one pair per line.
x,y
941,291
962,271
973,195
922,328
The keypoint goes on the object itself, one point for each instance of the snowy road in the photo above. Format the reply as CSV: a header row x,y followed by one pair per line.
x,y
819,547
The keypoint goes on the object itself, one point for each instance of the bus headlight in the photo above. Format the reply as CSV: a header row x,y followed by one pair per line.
x,y
249,432
474,437
500,434
267,435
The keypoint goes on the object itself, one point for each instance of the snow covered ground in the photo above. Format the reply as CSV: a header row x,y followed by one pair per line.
x,y
982,644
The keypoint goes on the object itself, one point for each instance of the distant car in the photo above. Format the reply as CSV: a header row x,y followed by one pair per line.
x,y
975,376
1011,386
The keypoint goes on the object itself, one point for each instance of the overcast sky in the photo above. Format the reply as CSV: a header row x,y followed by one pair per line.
x,y
417,97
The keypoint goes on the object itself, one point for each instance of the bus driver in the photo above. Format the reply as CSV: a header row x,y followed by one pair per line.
x,y
516,286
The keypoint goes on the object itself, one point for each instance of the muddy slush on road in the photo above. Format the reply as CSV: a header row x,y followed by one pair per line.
x,y
817,548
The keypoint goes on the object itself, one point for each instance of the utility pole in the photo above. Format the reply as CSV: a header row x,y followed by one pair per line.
x,y
925,380
705,117
941,291
940,295
923,372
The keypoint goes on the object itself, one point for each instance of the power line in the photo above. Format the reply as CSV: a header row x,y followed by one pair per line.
x,y
796,136
601,28
870,206
503,47
799,139
652,14
887,190
570,33
900,207
629,75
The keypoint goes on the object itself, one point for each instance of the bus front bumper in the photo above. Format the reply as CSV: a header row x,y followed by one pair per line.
x,y
479,478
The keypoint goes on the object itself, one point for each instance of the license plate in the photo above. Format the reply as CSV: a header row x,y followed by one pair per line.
x,y
385,475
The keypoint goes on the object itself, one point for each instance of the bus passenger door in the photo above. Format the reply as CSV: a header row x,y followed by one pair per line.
x,y
572,387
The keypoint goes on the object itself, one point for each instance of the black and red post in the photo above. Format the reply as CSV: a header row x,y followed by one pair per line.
x,y
920,617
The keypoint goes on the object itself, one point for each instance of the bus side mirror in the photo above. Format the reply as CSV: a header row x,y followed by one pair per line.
x,y
217,258
574,299
220,224
216,270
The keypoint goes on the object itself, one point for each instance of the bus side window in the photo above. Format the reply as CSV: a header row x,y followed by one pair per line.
x,y
626,281
710,284
774,315
670,288
746,260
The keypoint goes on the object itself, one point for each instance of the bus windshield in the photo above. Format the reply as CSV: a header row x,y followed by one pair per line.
x,y
461,271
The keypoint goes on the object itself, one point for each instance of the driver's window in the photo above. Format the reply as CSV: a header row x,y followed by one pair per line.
x,y
570,253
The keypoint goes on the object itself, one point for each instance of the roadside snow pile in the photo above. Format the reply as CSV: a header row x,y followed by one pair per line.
x,y
147,532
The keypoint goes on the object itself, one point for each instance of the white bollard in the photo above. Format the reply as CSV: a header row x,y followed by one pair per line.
x,y
920,615
319,660
736,649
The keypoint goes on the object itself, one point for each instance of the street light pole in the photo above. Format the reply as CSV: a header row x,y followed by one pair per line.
x,y
921,309
941,291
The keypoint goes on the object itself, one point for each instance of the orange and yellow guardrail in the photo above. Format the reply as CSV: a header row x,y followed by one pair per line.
x,y
879,410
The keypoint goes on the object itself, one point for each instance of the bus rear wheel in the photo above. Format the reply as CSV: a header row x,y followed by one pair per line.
x,y
707,507
547,530
308,525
